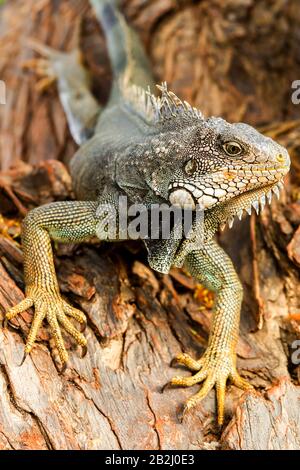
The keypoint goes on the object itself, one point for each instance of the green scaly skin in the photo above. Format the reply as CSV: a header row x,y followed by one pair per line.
x,y
162,151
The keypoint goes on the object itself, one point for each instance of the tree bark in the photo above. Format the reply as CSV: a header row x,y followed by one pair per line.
x,y
217,55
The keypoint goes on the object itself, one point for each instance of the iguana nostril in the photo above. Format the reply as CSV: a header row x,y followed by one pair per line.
x,y
280,158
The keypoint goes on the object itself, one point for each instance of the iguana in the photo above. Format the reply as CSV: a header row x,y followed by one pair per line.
x,y
152,150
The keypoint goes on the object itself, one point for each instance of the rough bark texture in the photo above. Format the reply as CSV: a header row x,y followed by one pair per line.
x,y
233,58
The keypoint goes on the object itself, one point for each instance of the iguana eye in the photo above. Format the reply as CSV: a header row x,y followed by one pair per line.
x,y
190,167
232,149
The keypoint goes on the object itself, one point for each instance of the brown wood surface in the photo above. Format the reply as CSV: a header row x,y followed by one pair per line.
x,y
233,58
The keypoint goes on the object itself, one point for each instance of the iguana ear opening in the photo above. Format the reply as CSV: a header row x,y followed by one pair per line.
x,y
190,167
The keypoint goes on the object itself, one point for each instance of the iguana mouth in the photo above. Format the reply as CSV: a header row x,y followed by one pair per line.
x,y
253,199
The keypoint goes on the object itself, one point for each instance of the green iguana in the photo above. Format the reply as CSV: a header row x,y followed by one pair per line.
x,y
152,150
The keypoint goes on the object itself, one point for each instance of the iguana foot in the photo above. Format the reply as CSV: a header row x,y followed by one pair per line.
x,y
43,67
214,370
51,306
52,62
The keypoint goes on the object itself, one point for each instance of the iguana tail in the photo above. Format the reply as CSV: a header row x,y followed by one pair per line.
x,y
127,55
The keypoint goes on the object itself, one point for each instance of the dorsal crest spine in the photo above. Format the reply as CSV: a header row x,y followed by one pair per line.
x,y
157,109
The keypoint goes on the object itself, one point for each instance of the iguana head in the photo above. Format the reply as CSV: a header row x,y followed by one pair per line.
x,y
210,162
206,162
222,161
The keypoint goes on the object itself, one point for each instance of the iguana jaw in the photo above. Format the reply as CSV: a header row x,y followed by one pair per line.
x,y
224,185
224,213
251,200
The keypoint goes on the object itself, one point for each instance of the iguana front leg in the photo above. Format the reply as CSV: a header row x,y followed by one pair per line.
x,y
63,221
212,267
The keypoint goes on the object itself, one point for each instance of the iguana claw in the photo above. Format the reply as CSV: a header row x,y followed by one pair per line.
x,y
50,305
213,372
